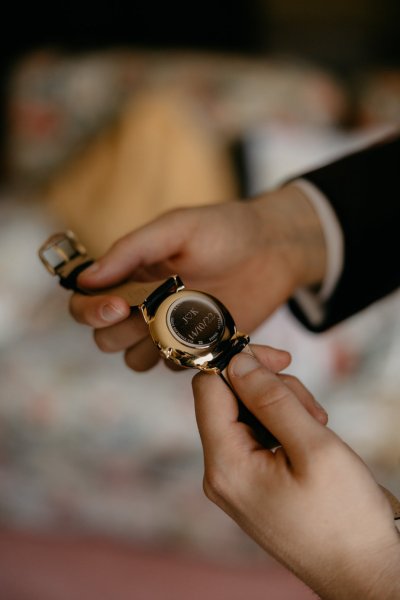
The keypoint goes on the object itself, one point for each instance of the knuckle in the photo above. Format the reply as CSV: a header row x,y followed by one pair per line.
x,y
83,311
130,359
325,451
223,479
208,490
214,485
121,244
137,362
268,398
103,341
294,383
176,213
330,447
286,378
74,308
298,388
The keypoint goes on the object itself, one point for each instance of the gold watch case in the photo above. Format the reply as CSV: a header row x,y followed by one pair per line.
x,y
197,342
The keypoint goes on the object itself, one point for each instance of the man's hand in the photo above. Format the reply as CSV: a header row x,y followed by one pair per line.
x,y
313,504
250,255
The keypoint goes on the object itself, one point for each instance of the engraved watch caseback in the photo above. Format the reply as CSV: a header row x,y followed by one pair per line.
x,y
189,325
198,322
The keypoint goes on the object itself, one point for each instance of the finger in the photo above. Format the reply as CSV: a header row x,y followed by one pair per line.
x,y
274,359
216,415
98,311
143,356
123,335
305,397
274,404
217,409
154,272
150,244
277,360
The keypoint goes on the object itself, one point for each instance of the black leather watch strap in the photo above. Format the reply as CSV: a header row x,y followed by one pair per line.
x,y
70,281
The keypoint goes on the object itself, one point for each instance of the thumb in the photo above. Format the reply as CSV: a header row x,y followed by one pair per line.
x,y
150,244
274,404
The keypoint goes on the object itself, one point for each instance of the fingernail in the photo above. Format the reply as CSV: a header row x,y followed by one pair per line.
x,y
111,313
244,363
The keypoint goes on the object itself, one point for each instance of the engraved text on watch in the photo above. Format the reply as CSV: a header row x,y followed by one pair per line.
x,y
196,322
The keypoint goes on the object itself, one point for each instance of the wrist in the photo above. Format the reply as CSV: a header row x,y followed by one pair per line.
x,y
375,578
291,226
365,573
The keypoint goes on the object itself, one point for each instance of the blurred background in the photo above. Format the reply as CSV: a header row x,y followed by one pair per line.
x,y
110,115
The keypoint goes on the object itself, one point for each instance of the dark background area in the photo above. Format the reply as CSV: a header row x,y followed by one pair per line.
x,y
340,34
336,33
347,38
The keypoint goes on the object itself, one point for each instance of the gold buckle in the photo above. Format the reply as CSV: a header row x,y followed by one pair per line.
x,y
59,250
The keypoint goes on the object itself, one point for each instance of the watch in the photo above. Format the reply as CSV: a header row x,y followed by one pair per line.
x,y
191,328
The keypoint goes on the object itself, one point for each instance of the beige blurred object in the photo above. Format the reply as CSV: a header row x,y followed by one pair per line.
x,y
160,154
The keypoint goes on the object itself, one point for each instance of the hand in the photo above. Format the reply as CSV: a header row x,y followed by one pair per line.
x,y
313,504
250,255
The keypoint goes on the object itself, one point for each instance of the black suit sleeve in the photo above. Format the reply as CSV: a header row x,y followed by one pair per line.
x,y
364,191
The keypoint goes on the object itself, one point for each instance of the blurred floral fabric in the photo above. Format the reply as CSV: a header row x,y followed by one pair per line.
x,y
86,444
58,102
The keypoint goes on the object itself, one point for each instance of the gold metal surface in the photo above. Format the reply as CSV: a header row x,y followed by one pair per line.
x,y
174,349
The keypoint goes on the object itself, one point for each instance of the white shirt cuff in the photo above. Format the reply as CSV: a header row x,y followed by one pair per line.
x,y
312,303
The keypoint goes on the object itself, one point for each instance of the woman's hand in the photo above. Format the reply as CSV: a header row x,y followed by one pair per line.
x,y
250,255
313,504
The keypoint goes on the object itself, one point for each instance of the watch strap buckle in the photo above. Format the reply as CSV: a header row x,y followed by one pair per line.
x,y
61,249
